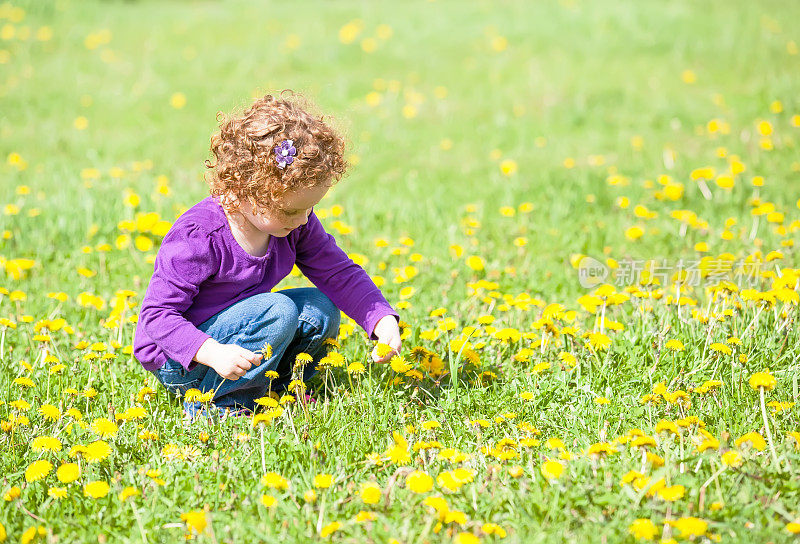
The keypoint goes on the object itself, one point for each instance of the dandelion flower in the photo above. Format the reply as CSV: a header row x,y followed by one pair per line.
x,y
551,469
493,529
355,368
275,481
383,349
643,529
38,470
466,538
68,473
195,520
329,529
690,527
57,493
398,453
763,379
96,490
47,443
720,348
475,263
599,341
755,439
323,481
419,482
303,358
370,493
508,167
97,451
128,492
177,100
674,345
732,458
672,493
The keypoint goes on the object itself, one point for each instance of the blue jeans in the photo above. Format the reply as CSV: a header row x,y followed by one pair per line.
x,y
291,321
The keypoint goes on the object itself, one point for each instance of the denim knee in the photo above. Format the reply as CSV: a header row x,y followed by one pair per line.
x,y
281,316
327,313
248,317
318,315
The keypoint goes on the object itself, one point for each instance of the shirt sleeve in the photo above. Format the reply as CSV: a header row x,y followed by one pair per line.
x,y
344,282
185,260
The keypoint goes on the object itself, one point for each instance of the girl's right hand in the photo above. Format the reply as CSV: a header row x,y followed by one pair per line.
x,y
228,360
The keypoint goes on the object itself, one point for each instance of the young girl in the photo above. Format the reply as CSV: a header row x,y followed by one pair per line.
x,y
209,319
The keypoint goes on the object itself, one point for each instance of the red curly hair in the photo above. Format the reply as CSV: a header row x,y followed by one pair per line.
x,y
245,165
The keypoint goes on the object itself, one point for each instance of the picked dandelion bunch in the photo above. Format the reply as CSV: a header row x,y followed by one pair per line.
x,y
383,349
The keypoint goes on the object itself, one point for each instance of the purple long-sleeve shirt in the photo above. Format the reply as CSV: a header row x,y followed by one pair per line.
x,y
201,269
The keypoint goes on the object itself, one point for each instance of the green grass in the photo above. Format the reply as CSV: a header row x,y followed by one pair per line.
x,y
577,80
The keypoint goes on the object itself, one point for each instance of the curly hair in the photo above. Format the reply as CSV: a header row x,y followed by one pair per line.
x,y
245,165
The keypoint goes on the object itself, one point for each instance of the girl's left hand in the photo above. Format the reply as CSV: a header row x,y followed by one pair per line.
x,y
388,333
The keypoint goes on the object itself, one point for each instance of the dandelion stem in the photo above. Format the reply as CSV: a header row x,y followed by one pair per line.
x,y
603,317
454,364
139,522
766,428
754,229
713,477
704,189
263,460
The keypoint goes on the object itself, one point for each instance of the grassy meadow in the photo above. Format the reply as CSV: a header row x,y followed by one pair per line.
x,y
586,213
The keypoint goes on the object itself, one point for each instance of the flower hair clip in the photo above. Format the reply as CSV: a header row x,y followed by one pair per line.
x,y
285,153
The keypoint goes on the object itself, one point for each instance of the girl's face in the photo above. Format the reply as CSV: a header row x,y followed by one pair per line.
x,y
292,211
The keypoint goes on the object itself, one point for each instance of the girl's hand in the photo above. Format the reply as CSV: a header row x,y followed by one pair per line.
x,y
228,360
388,333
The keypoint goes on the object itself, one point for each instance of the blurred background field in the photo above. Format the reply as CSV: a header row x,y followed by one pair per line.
x,y
499,141
434,97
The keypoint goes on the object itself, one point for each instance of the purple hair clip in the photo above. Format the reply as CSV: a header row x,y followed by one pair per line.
x,y
285,153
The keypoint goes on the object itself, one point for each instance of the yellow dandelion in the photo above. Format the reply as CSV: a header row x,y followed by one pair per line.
x,y
551,469
57,493
38,470
104,427
96,489
643,529
47,443
323,481
97,451
763,379
196,520
275,481
419,482
370,493
329,529
177,100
